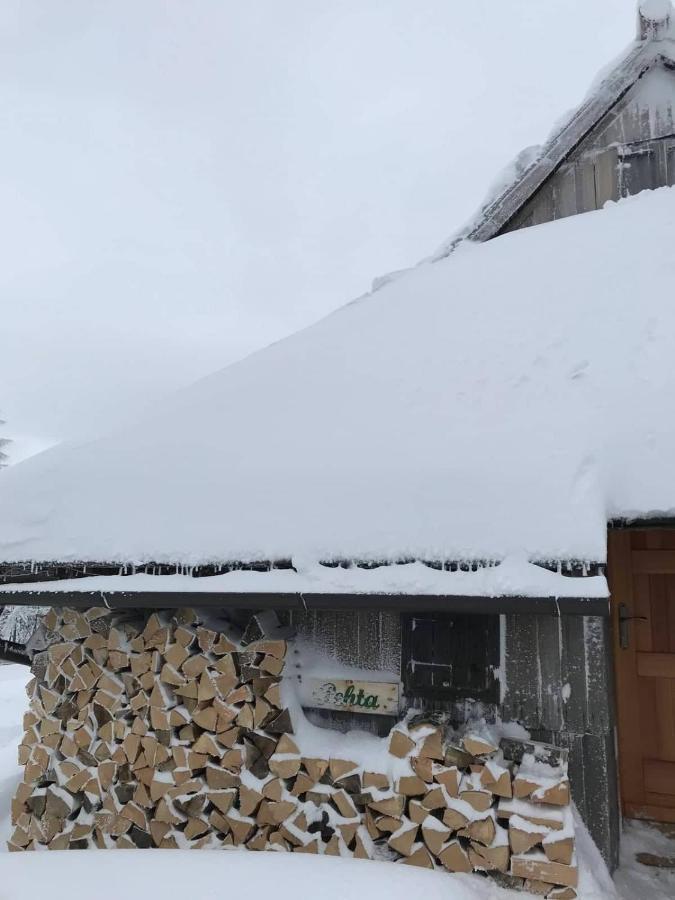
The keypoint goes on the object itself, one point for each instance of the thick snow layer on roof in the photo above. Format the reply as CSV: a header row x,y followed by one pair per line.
x,y
506,400
513,577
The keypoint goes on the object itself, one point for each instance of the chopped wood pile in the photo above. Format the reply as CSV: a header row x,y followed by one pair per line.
x,y
164,730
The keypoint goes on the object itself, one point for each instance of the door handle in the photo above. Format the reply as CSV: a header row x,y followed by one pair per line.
x,y
624,618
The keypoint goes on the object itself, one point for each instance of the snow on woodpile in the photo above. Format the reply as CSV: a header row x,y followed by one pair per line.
x,y
504,401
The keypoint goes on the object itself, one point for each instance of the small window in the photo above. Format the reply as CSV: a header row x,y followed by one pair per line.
x,y
450,657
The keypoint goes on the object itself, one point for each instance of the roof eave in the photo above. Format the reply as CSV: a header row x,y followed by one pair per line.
x,y
454,603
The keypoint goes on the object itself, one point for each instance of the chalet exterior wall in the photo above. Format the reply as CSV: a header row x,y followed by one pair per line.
x,y
557,683
364,639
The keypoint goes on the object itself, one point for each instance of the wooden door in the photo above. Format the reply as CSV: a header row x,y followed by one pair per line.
x,y
642,582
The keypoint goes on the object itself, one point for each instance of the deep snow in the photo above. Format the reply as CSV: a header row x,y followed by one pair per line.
x,y
506,400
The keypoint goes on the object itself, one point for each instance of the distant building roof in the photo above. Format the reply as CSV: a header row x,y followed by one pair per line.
x,y
654,45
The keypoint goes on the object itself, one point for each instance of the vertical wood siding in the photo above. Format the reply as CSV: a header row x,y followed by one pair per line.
x,y
366,640
631,149
558,685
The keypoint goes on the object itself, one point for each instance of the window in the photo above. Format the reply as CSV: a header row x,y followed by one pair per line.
x,y
450,657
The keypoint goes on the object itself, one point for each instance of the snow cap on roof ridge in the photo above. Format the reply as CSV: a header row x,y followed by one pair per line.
x,y
655,20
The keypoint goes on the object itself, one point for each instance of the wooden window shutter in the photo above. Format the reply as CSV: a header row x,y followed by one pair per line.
x,y
450,656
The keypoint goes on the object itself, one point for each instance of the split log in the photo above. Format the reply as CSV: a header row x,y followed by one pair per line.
x,y
489,859
344,804
480,831
284,766
411,786
374,780
537,867
338,768
432,746
449,777
477,745
400,745
455,858
523,835
388,824
363,845
423,768
435,835
559,849
420,857
497,780
557,794
315,768
390,806
436,798
403,840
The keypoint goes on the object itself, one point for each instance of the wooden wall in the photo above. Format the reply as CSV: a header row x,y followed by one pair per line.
x,y
365,639
556,682
632,149
362,639
559,686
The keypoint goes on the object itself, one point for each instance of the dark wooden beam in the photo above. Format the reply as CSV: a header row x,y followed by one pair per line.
x,y
574,606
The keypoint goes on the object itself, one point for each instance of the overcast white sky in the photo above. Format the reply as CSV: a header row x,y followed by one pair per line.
x,y
184,182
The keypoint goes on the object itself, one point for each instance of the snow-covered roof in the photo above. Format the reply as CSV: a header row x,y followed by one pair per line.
x,y
509,399
654,44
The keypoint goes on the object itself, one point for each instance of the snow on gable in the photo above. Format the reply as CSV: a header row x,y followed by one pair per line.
x,y
507,400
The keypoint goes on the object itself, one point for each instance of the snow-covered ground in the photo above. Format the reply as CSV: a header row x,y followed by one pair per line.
x,y
12,706
81,876
635,880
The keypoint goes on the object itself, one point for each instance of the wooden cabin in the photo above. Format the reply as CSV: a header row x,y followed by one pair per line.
x,y
458,570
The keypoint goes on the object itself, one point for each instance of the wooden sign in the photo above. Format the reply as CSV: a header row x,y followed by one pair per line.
x,y
379,698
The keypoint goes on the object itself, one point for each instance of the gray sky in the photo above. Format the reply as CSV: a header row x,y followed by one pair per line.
x,y
184,182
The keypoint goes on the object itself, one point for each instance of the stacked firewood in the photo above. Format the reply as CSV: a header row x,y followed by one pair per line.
x,y
165,730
